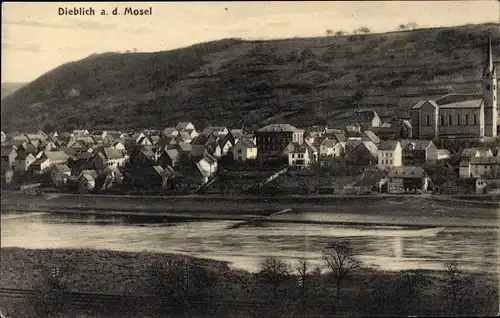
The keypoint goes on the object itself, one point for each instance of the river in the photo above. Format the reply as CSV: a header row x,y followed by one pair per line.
x,y
246,246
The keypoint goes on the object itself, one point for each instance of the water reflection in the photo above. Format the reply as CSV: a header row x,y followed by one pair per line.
x,y
390,248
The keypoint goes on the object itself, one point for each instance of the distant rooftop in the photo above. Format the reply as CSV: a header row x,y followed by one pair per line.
x,y
280,128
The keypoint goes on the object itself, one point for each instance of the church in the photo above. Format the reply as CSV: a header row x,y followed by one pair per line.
x,y
461,116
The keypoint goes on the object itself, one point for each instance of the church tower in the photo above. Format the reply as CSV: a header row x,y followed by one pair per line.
x,y
490,95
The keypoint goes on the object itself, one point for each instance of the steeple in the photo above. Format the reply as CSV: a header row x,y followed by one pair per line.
x,y
489,69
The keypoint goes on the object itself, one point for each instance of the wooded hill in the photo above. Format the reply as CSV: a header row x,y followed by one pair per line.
x,y
232,82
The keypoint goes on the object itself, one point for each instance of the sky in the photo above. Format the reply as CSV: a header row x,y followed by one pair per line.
x,y
36,39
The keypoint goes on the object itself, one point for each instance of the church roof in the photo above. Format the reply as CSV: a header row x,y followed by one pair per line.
x,y
459,101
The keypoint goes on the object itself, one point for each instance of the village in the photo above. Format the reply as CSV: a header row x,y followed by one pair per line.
x,y
275,158
449,145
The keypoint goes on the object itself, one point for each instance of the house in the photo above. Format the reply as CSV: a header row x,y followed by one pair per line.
x,y
185,126
480,167
365,118
87,180
224,145
199,145
109,156
170,132
188,135
373,180
146,141
59,175
9,155
208,163
99,134
47,146
369,135
112,176
407,179
47,159
169,157
394,129
272,139
299,156
143,157
389,154
23,161
331,148
138,136
480,186
443,154
80,133
3,137
119,145
218,131
244,150
469,153
185,148
361,153
419,151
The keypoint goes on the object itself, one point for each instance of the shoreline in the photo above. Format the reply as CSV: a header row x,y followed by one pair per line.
x,y
127,273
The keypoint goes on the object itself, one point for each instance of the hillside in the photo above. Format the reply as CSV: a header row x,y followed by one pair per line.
x,y
9,88
300,80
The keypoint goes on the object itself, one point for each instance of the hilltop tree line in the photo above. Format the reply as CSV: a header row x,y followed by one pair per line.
x,y
365,30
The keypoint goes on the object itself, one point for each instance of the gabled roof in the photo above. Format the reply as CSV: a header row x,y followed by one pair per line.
x,y
418,144
185,146
371,146
202,171
201,140
280,128
113,153
90,172
246,143
23,155
388,145
297,148
406,172
173,154
62,168
469,152
484,161
56,155
423,102
459,101
371,178
237,133
182,125
371,136
443,152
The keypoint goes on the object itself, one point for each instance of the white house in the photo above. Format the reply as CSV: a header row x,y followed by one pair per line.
x,y
299,156
185,126
244,150
389,154
208,163
331,148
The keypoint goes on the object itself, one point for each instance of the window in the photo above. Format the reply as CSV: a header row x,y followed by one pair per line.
x,y
488,87
293,155
390,162
466,120
475,119
441,119
428,120
449,120
458,120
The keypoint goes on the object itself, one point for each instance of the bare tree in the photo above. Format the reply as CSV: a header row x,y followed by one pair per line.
x,y
456,289
340,33
339,256
329,32
411,26
274,272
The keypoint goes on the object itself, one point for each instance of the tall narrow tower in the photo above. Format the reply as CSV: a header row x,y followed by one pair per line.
x,y
490,95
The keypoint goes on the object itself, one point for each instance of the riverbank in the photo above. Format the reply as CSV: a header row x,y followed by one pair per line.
x,y
130,273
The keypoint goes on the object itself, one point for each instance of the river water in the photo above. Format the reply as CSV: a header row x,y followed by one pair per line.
x,y
246,246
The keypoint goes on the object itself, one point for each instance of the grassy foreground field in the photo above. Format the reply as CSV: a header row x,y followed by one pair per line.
x,y
366,292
